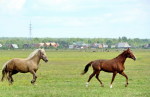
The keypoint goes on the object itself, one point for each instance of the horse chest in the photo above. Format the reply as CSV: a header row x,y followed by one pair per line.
x,y
120,68
33,66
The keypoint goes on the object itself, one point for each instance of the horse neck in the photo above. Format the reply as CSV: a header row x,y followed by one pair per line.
x,y
121,58
35,59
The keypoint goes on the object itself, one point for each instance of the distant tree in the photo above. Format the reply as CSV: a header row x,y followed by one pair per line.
x,y
65,42
109,43
124,39
89,41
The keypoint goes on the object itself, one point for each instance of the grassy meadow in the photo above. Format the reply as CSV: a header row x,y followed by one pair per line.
x,y
60,77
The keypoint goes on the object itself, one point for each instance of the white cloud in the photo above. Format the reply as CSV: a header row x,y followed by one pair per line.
x,y
74,16
126,19
108,15
64,5
127,16
53,4
68,21
11,6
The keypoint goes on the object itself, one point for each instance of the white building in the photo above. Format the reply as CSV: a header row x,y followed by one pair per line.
x,y
123,45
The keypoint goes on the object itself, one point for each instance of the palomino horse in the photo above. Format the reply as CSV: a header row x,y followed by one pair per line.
x,y
115,65
29,64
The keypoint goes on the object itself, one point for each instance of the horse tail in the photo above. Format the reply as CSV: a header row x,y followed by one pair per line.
x,y
4,71
87,67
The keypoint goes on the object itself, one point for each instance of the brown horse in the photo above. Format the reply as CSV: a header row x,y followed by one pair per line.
x,y
29,64
115,65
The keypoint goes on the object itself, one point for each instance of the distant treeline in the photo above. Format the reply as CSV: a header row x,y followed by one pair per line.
x,y
65,42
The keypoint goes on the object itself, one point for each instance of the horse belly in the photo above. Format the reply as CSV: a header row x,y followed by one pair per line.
x,y
20,66
108,68
22,69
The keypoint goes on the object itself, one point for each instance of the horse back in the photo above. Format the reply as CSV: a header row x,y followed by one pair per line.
x,y
17,64
107,65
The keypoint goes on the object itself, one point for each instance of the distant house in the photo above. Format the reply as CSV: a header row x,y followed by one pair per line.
x,y
53,44
14,46
123,45
71,46
113,46
79,45
38,45
99,45
103,46
95,45
1,45
47,44
146,46
27,46
84,46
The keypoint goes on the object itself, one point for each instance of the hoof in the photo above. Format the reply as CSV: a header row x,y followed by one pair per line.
x,y
32,82
87,84
10,84
126,85
110,86
102,85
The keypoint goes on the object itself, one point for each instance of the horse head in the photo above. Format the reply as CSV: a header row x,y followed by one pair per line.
x,y
129,54
43,55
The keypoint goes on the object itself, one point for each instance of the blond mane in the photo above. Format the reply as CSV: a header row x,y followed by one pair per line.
x,y
43,51
35,52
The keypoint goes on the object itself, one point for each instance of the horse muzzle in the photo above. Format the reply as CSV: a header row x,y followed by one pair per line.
x,y
46,60
134,58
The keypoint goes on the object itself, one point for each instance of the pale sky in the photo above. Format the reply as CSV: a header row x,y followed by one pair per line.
x,y
75,18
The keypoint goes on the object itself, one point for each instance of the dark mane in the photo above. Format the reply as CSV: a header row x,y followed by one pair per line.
x,y
122,54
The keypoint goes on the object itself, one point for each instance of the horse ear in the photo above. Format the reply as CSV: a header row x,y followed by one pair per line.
x,y
40,50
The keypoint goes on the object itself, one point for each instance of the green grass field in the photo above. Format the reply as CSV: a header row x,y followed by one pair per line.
x,y
60,77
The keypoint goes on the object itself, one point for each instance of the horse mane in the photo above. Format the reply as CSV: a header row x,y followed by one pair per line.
x,y
35,52
123,53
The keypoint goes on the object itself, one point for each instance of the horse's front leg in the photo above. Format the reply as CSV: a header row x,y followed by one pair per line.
x,y
123,74
34,76
113,77
97,77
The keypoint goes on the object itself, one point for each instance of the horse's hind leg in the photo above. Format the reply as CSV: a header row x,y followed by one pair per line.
x,y
3,75
9,77
97,77
90,77
34,76
123,74
12,73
